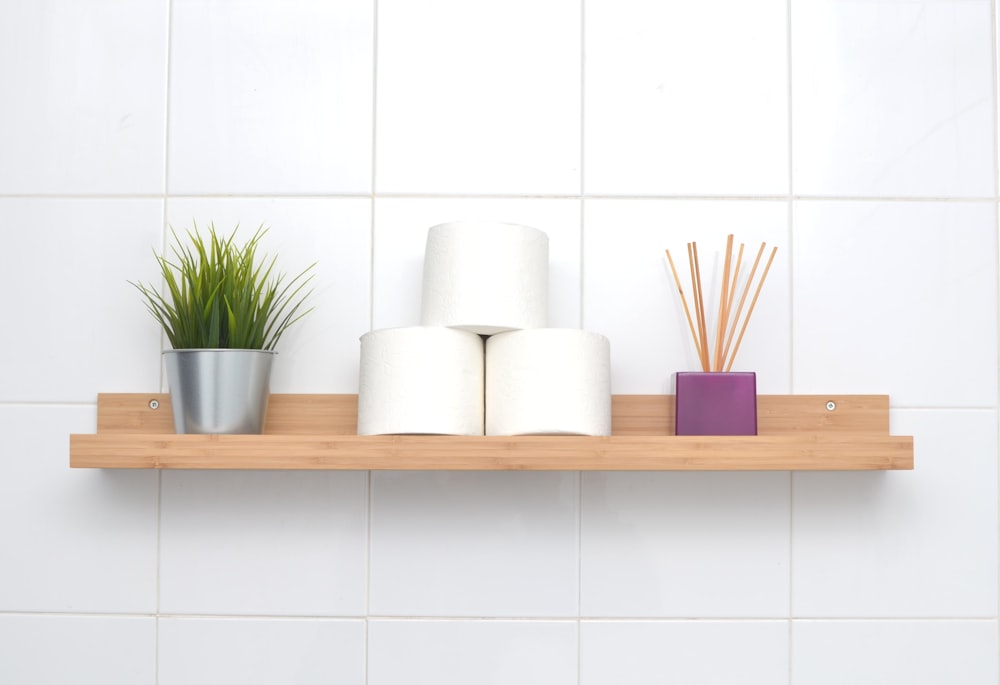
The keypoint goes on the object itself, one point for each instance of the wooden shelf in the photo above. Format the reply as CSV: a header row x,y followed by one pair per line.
x,y
796,432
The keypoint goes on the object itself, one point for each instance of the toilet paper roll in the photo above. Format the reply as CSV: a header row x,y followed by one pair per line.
x,y
421,380
486,277
548,381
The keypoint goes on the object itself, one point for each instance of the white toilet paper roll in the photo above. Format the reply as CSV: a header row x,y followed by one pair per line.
x,y
548,381
421,380
486,277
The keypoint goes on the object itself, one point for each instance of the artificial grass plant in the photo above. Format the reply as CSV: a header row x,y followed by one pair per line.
x,y
220,294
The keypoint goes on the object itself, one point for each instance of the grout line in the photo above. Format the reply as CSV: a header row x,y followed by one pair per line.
x,y
374,94
975,199
371,265
994,55
372,194
581,202
789,227
163,242
790,198
583,93
579,575
159,557
505,619
371,324
994,85
368,572
39,404
581,307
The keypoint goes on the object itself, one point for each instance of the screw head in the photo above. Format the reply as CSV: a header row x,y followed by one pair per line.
x,y
831,405
154,404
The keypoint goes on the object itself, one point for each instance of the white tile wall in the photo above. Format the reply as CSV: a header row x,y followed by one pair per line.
x,y
892,98
70,541
628,286
897,297
271,97
266,543
478,97
85,93
459,652
66,265
474,544
684,545
878,652
205,651
856,137
914,544
689,652
114,650
656,124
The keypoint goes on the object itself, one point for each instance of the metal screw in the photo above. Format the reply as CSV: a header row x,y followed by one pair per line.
x,y
831,405
154,404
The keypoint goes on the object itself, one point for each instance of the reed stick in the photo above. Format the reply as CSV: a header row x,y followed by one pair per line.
x,y
743,299
687,312
720,327
700,299
753,302
732,289
727,323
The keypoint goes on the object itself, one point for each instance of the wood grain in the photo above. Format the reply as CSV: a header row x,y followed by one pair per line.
x,y
796,432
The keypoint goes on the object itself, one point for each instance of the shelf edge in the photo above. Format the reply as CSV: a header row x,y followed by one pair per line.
x,y
540,453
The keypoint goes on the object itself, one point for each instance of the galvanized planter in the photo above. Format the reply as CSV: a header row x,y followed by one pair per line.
x,y
219,390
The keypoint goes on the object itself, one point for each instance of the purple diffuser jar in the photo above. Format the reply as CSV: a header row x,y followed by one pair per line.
x,y
716,403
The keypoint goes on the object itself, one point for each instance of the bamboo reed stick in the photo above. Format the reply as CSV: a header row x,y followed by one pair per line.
x,y
687,312
750,311
702,324
732,289
727,323
743,298
720,327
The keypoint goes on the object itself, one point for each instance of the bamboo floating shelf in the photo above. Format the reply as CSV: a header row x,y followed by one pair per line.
x,y
796,432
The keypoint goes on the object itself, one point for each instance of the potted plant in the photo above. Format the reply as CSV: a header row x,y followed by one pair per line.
x,y
223,309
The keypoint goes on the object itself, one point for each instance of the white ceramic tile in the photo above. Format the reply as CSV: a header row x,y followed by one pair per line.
x,y
909,543
401,234
270,97
462,652
259,652
263,542
684,545
321,352
897,298
77,649
85,87
473,544
892,98
881,652
478,97
73,540
689,652
83,328
630,294
686,98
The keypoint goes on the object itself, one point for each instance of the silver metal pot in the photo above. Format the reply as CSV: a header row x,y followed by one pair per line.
x,y
219,391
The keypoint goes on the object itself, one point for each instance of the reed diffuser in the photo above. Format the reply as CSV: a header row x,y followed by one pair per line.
x,y
717,400
724,353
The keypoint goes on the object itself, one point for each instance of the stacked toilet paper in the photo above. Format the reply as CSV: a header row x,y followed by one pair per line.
x,y
484,281
421,379
486,277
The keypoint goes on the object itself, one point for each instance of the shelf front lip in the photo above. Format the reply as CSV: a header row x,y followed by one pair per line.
x,y
799,452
